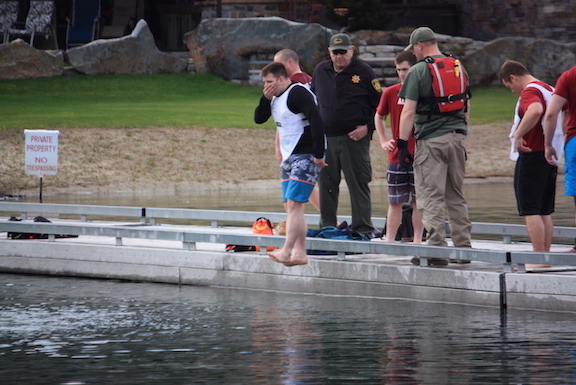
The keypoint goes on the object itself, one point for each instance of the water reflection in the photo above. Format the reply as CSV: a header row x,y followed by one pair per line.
x,y
66,330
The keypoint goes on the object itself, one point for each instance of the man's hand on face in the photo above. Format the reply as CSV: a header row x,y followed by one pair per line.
x,y
269,90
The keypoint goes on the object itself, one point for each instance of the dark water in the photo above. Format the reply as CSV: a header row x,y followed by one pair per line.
x,y
81,331
74,331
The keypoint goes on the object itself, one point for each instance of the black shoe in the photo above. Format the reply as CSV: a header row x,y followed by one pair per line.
x,y
459,261
431,261
342,226
375,234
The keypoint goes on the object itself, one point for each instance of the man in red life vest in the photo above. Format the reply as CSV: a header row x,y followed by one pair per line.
x,y
441,128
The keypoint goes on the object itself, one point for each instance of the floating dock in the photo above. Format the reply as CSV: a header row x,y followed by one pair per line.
x,y
195,255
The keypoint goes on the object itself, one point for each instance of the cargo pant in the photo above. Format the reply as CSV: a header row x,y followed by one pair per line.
x,y
439,167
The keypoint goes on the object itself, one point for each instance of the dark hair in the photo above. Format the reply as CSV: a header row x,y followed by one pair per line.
x,y
512,67
275,68
406,56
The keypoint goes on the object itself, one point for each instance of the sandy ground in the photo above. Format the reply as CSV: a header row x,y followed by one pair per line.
x,y
106,160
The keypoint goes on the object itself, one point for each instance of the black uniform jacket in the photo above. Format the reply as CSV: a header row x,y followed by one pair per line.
x,y
346,99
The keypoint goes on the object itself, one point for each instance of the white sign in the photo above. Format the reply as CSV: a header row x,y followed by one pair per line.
x,y
41,148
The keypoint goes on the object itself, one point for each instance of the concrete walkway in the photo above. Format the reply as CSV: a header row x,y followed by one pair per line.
x,y
362,275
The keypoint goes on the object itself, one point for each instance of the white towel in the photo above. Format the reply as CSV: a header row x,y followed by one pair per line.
x,y
557,140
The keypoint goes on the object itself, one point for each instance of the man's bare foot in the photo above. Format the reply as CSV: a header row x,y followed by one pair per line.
x,y
296,262
280,257
572,250
297,258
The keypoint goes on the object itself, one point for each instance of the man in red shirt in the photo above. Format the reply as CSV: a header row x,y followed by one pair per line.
x,y
534,178
564,98
400,180
289,58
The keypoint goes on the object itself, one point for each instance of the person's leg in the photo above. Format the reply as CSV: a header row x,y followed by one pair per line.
x,y
296,234
393,221
296,190
283,255
430,177
573,248
358,174
294,250
570,176
417,225
536,191
536,231
455,202
400,190
529,190
549,174
315,199
548,231
329,184
536,226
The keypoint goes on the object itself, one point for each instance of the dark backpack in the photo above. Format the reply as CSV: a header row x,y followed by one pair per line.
x,y
405,232
39,218
332,232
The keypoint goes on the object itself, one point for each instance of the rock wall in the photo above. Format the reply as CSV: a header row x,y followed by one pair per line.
x,y
379,48
545,59
237,48
133,54
224,46
540,19
489,19
18,60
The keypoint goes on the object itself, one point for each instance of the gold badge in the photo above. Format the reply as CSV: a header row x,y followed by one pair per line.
x,y
376,85
355,79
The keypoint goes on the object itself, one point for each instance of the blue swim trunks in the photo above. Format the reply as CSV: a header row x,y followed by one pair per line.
x,y
570,167
298,176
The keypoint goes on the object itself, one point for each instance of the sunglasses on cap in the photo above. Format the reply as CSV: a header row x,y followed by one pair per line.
x,y
339,51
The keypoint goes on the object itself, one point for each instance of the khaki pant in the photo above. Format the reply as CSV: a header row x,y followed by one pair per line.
x,y
439,167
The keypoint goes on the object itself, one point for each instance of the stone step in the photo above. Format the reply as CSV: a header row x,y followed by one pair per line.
x,y
382,50
379,62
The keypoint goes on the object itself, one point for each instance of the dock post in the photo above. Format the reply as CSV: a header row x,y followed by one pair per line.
x,y
503,299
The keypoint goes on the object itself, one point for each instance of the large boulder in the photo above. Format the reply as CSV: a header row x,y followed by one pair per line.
x,y
133,54
225,46
545,59
18,60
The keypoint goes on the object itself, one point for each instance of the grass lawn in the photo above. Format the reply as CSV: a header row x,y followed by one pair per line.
x,y
182,100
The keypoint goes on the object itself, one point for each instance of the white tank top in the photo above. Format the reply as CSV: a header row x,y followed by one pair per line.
x,y
290,125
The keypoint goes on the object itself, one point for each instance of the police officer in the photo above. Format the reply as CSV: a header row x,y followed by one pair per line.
x,y
348,93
